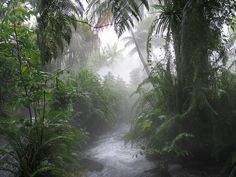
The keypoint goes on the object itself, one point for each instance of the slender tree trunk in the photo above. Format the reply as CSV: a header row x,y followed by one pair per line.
x,y
1,103
140,54
176,34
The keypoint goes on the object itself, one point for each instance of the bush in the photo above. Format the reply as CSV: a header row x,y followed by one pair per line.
x,y
92,103
41,149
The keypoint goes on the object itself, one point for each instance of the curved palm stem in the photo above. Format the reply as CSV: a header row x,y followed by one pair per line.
x,y
140,54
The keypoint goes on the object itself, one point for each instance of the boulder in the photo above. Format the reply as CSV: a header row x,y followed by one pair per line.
x,y
91,165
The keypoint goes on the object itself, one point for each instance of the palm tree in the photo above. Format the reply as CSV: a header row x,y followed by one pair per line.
x,y
145,64
173,20
119,13
194,28
106,57
136,40
55,19
167,23
84,44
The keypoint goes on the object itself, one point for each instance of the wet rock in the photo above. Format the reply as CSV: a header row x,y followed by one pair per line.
x,y
155,172
6,174
91,165
178,170
2,141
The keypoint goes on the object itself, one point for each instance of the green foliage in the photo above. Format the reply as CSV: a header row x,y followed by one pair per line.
x,y
120,13
170,15
42,145
189,88
61,96
189,111
18,51
210,125
84,45
163,133
40,148
233,25
54,29
224,103
154,120
92,102
40,139
121,99
157,134
233,165
171,147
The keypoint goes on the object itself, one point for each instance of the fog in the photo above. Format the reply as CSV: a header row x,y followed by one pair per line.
x,y
123,65
115,88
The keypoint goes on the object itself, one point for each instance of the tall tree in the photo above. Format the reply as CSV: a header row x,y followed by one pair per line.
x,y
137,42
55,19
194,29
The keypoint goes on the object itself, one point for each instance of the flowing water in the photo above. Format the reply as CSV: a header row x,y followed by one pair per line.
x,y
119,159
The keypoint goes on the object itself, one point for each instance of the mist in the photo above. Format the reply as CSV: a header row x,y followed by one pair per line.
x,y
115,88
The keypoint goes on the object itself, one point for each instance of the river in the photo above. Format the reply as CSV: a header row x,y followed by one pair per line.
x,y
118,159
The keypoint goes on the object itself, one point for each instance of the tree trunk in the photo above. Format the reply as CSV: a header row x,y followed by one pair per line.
x,y
176,34
194,76
194,51
140,54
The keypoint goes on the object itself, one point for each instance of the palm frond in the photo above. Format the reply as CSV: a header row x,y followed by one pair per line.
x,y
168,16
123,13
149,39
55,22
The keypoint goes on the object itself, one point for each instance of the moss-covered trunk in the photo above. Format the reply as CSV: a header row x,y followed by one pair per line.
x,y
194,48
195,74
175,28
176,36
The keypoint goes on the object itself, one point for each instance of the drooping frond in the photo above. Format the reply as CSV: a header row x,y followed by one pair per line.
x,y
149,39
168,15
55,22
119,13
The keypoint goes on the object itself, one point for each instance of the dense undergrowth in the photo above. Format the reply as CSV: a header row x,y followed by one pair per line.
x,y
189,112
46,117
187,106
161,132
